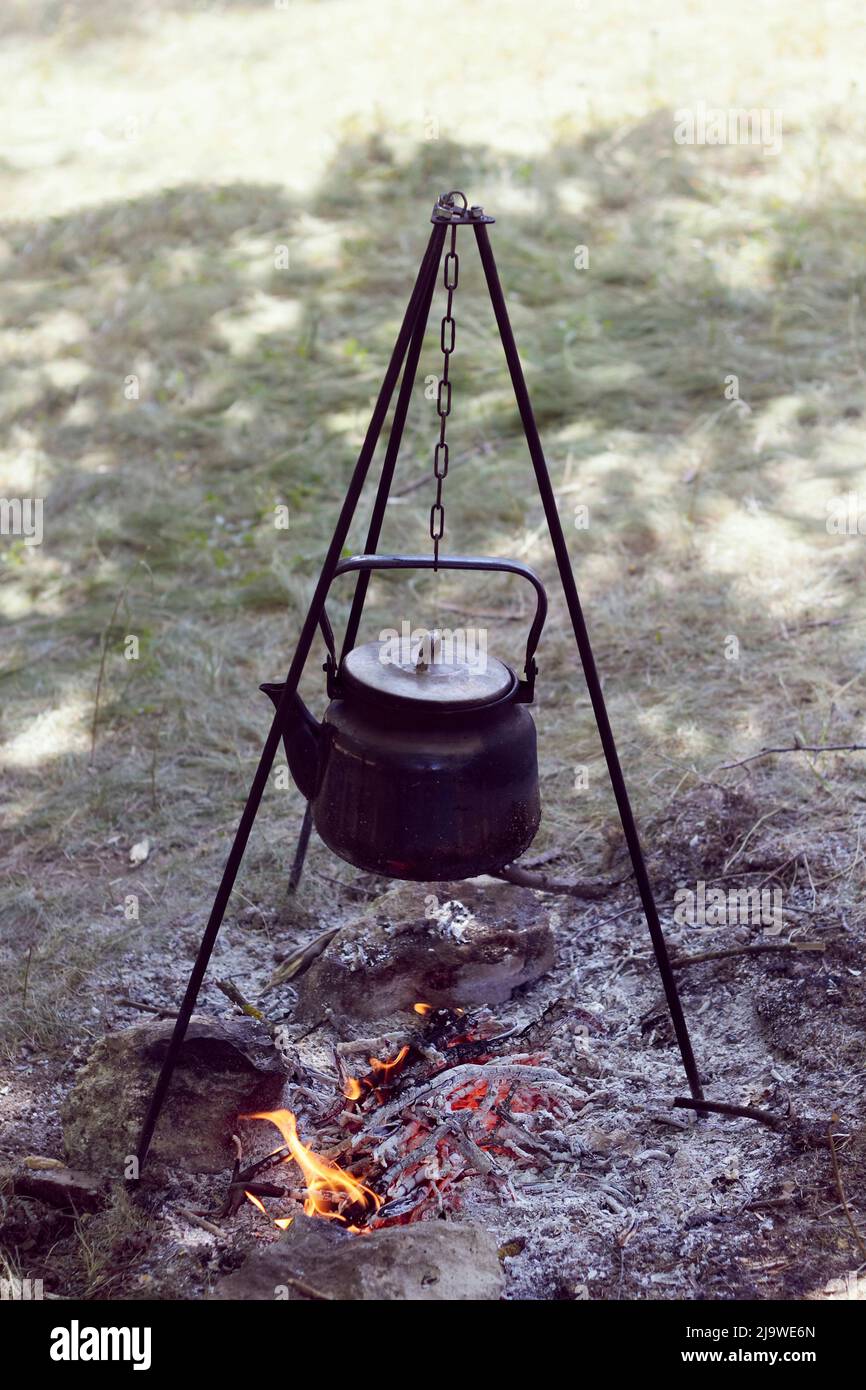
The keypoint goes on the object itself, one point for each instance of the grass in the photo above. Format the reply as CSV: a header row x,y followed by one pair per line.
x,y
152,194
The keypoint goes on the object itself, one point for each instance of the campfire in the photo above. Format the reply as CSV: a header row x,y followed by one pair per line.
x,y
457,1101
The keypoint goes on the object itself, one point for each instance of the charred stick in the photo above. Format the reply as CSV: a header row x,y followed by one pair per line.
x,y
719,1107
383,1043
415,1156
249,1172
461,1077
259,1189
508,1129
474,1155
581,888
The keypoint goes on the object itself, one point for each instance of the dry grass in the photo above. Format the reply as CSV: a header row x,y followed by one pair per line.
x,y
157,157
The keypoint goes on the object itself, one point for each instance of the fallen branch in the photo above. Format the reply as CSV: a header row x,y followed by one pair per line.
x,y
798,748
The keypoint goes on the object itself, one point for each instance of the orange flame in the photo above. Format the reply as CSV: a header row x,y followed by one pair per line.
x,y
423,1008
284,1222
326,1183
380,1071
380,1074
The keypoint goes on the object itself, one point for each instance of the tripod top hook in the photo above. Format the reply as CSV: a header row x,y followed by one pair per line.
x,y
446,209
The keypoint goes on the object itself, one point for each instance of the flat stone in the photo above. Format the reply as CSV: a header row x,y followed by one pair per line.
x,y
67,1188
450,945
430,1260
225,1067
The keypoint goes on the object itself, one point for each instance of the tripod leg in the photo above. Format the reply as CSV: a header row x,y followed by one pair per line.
x,y
378,514
581,635
305,639
301,851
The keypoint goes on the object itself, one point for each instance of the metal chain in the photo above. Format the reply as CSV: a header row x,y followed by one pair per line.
x,y
447,339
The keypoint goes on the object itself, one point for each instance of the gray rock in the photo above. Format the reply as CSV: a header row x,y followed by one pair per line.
x,y
457,944
58,1187
225,1067
431,1260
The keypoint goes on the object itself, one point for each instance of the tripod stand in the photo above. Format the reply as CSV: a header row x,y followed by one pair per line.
x,y
447,215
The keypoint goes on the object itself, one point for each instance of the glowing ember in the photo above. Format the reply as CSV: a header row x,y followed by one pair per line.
x,y
422,1123
328,1188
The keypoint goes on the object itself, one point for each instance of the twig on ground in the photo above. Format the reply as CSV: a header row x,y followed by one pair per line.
x,y
307,1289
26,978
232,992
798,748
201,1221
759,949
101,676
861,1245
146,1008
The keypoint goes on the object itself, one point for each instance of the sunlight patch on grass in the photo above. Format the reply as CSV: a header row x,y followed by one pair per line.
x,y
259,316
50,735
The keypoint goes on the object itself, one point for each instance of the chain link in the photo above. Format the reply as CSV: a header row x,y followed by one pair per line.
x,y
447,341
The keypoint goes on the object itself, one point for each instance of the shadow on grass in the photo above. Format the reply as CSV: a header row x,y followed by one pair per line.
x,y
170,381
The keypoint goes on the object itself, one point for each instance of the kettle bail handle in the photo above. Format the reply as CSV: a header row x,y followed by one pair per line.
x,y
466,562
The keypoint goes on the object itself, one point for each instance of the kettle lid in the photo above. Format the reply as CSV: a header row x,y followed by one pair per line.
x,y
450,680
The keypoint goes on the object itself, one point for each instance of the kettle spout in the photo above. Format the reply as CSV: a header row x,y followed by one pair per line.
x,y
302,736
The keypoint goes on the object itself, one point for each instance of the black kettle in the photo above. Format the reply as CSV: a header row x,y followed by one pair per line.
x,y
424,766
